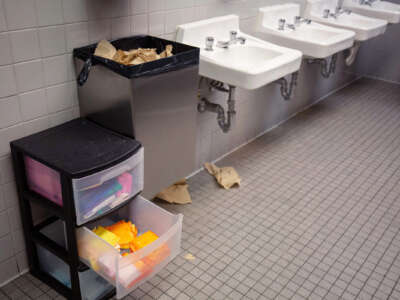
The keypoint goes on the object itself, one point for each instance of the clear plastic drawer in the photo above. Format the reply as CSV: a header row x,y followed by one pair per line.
x,y
96,194
92,285
127,272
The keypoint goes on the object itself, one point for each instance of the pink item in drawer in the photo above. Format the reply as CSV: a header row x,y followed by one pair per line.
x,y
125,180
43,180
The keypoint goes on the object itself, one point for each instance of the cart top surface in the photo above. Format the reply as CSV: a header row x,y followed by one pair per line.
x,y
78,148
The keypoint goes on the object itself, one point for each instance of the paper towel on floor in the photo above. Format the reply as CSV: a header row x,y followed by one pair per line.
x,y
227,177
177,193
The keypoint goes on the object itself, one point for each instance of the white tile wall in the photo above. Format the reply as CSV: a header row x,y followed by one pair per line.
x,y
10,195
25,44
33,104
55,70
20,14
4,223
9,111
49,12
52,40
8,84
2,202
38,90
9,269
5,49
74,10
29,75
6,250
3,26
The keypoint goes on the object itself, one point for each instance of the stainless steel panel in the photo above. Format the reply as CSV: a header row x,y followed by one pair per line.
x,y
159,111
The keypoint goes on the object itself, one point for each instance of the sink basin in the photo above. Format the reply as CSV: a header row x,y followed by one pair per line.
x,y
365,28
379,9
250,65
314,40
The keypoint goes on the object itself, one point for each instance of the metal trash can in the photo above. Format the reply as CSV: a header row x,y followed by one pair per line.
x,y
155,102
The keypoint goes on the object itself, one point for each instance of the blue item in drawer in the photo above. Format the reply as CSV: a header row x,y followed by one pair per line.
x,y
92,200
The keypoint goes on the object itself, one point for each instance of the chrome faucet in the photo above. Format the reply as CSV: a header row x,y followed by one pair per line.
x,y
282,24
233,40
209,43
298,20
367,2
338,11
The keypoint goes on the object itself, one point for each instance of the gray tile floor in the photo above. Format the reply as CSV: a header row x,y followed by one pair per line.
x,y
317,215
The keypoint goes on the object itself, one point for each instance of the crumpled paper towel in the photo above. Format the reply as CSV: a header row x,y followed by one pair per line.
x,y
177,193
227,177
132,57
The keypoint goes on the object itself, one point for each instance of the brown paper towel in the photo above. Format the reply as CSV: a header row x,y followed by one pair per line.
x,y
227,177
105,49
177,193
132,57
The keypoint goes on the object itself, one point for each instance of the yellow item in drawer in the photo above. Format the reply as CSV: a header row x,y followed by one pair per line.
x,y
126,231
106,235
143,240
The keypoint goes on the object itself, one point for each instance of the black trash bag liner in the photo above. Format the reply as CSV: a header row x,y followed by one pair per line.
x,y
183,56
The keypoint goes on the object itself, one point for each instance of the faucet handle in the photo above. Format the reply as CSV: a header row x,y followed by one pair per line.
x,y
326,13
242,40
209,43
233,35
281,24
297,20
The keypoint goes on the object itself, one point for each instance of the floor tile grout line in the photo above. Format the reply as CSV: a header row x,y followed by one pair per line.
x,y
397,280
294,275
370,233
372,199
398,231
305,232
271,214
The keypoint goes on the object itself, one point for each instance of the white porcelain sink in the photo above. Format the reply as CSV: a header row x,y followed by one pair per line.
x,y
364,27
314,40
250,65
379,9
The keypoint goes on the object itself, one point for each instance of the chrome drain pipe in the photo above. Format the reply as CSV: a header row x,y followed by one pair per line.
x,y
287,88
326,69
224,120
351,54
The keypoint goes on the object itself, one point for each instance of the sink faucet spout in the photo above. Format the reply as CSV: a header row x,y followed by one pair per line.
x,y
233,40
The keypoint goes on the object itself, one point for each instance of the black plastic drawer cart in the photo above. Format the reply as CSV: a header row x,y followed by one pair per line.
x,y
78,151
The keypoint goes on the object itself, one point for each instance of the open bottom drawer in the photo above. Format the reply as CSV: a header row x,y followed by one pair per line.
x,y
128,272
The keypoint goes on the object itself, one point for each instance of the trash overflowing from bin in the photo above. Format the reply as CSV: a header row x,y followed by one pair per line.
x,y
135,56
131,57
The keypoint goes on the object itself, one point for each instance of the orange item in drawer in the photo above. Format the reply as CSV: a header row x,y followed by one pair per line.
x,y
126,231
144,266
143,240
157,256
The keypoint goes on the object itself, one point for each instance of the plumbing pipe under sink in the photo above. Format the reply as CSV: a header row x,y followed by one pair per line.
x,y
352,53
224,121
287,88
